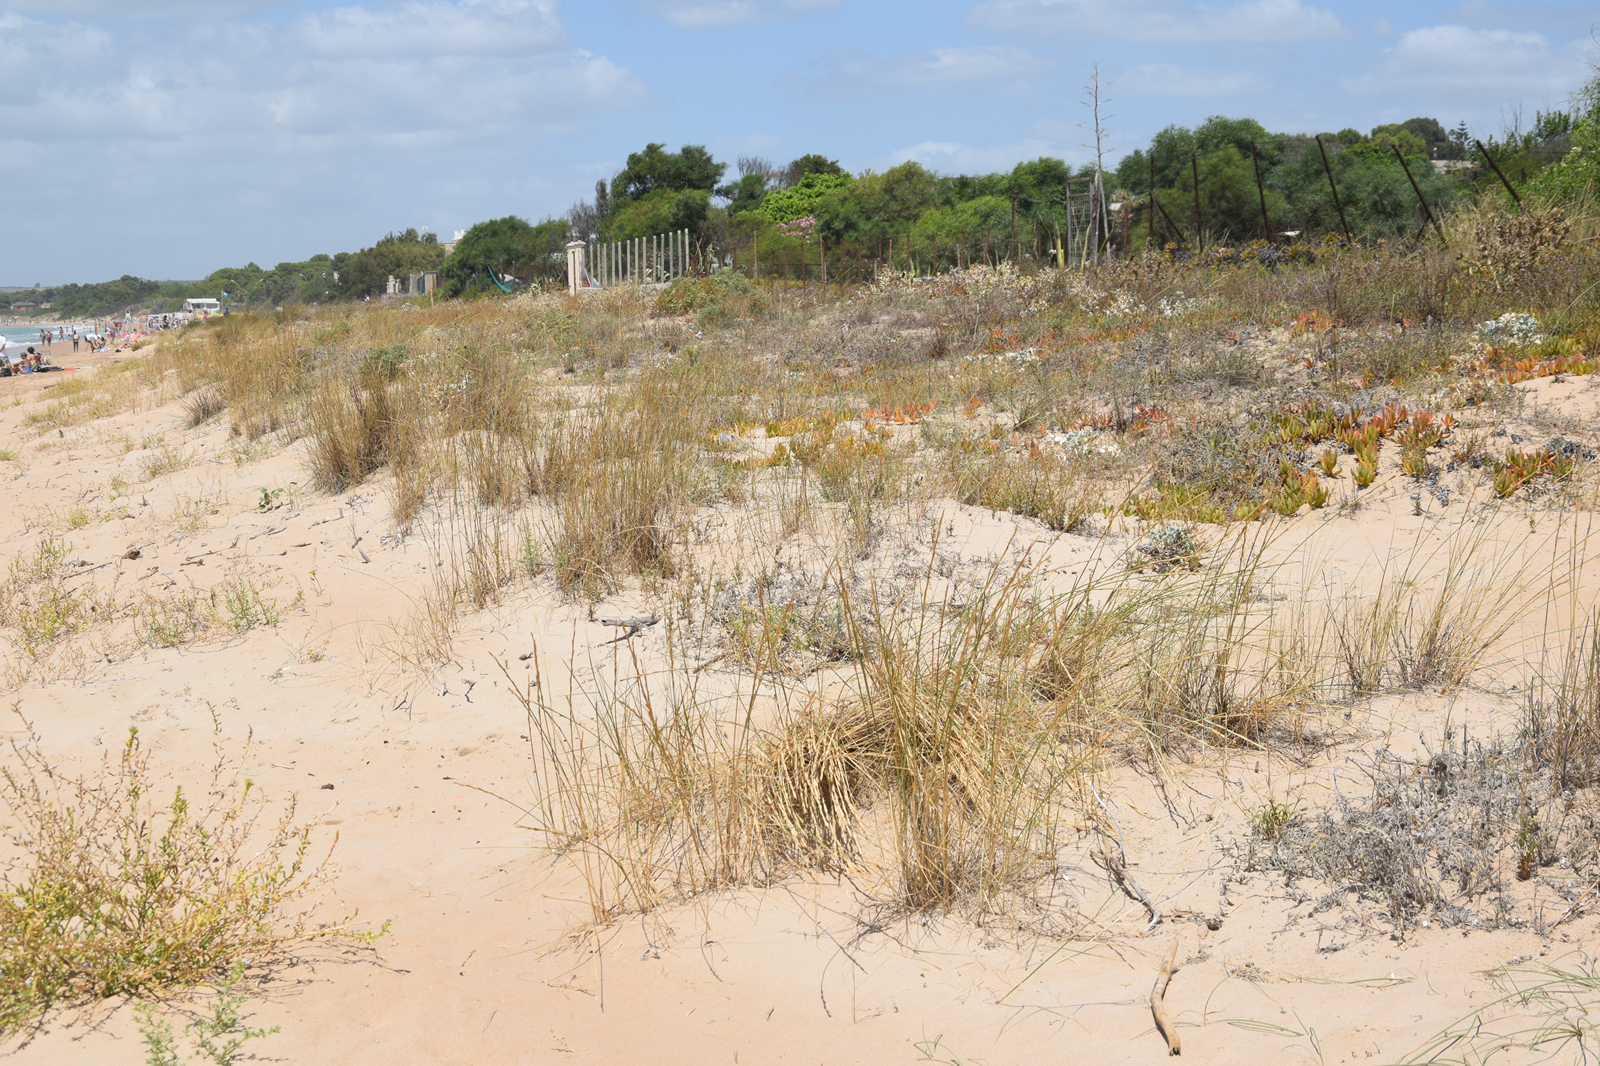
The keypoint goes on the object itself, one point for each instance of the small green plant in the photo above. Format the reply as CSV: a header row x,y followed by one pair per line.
x,y
1329,462
1519,467
175,622
191,515
78,517
45,563
218,1038
8,455
247,608
1272,820
1169,546
533,561
1527,846
269,499
1366,473
163,460
50,616
114,892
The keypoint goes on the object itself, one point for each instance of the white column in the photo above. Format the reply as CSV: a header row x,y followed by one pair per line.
x,y
574,267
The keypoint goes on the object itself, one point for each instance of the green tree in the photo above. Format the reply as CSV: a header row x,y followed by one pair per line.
x,y
981,227
800,201
1385,139
877,206
745,194
1578,171
811,163
1040,187
661,211
1431,132
509,246
656,168
367,272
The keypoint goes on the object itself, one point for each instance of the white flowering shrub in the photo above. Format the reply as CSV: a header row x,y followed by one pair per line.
x,y
1178,304
1021,358
1169,545
1513,327
1082,442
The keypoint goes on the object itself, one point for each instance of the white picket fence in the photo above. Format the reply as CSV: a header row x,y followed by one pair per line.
x,y
640,261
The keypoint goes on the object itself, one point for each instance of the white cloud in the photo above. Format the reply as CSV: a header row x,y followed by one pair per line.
x,y
436,67
336,125
704,14
1245,22
845,72
952,157
1163,79
1461,65
137,9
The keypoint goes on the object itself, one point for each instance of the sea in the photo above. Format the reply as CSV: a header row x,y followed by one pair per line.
x,y
26,335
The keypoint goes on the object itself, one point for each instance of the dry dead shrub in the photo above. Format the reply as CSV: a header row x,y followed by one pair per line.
x,y
1434,837
111,891
1505,244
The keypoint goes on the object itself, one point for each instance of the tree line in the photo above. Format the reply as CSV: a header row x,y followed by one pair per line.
x,y
1227,181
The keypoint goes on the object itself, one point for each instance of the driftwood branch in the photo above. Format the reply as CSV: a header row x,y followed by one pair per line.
x,y
633,626
1158,1002
1115,860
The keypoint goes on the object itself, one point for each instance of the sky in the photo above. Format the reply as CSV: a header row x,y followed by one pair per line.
x,y
168,138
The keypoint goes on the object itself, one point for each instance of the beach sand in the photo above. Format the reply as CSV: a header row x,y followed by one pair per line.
x,y
420,775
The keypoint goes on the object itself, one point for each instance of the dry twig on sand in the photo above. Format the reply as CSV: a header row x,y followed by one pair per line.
x,y
1115,860
1158,1001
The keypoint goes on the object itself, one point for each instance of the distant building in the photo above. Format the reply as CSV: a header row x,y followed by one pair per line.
x,y
202,305
450,245
23,305
424,284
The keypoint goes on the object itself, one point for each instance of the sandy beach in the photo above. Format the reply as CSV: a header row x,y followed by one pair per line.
x,y
421,775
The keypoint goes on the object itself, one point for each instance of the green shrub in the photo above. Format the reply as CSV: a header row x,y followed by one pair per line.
x,y
720,298
115,893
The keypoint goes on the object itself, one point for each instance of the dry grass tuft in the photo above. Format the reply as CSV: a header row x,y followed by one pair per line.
x,y
1434,620
1563,713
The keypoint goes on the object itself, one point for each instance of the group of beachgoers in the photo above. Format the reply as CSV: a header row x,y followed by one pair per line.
x,y
48,337
28,362
35,360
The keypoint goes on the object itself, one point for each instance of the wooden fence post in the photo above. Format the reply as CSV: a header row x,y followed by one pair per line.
x,y
1338,203
1199,218
1426,210
1011,251
1499,173
574,266
1151,238
1261,191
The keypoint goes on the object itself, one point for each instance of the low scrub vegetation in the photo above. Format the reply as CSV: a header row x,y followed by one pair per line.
x,y
851,684
112,890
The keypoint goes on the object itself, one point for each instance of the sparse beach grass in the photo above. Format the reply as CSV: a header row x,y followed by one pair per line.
x,y
1205,513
